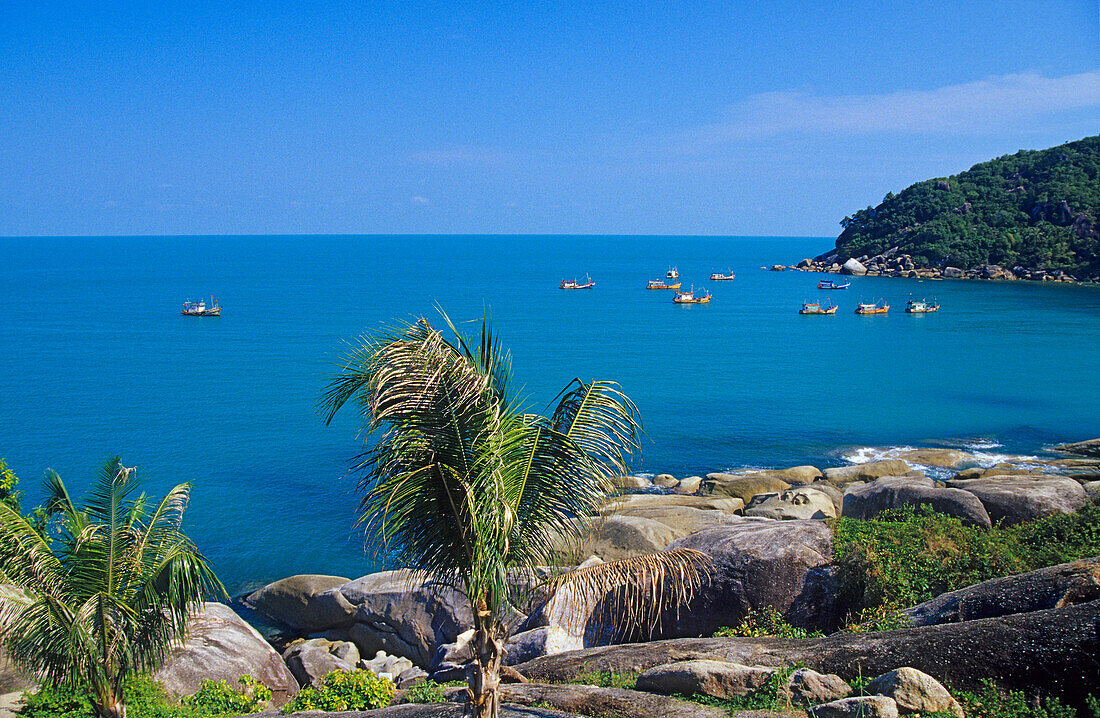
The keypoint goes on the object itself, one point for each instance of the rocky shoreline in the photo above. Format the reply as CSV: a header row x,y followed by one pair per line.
x,y
771,548
893,264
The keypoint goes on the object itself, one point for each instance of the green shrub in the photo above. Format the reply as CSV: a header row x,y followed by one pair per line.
x,y
910,555
219,698
145,698
426,692
607,679
989,702
344,691
767,621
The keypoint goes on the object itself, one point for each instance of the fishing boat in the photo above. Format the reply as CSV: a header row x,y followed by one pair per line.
x,y
574,284
690,298
199,308
830,284
719,277
660,284
673,273
872,308
815,308
922,307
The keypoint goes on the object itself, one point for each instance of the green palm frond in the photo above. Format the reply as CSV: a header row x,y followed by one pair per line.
x,y
112,593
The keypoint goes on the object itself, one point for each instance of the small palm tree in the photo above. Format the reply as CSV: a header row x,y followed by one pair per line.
x,y
106,596
466,487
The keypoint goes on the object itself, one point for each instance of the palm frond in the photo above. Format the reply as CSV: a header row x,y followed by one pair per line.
x,y
602,420
639,588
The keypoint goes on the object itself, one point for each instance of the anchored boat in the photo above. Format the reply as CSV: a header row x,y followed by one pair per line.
x,y
660,284
719,277
690,298
673,273
574,284
921,307
830,284
199,308
815,308
872,308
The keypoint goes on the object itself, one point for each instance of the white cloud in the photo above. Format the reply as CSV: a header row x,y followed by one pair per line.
x,y
420,200
955,109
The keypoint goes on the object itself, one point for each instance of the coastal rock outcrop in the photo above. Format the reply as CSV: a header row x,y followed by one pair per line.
x,y
866,472
1084,448
865,501
853,266
402,613
804,502
305,602
741,486
758,564
1014,499
943,458
221,646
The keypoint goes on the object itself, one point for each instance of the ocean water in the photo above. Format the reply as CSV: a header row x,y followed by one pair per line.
x,y
96,360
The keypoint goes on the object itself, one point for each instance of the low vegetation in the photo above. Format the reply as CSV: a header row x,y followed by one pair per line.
x,y
145,698
358,690
766,621
907,556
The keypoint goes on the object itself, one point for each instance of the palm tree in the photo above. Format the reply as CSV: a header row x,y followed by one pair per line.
x,y
110,594
460,483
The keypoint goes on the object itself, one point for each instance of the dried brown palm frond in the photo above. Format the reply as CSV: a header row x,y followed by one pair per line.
x,y
637,589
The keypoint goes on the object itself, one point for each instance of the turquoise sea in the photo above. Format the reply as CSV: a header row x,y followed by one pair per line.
x,y
95,359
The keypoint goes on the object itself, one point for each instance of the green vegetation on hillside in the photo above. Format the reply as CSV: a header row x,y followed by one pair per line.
x,y
1036,209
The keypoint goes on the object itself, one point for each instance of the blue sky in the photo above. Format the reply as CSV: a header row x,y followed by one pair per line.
x,y
773,118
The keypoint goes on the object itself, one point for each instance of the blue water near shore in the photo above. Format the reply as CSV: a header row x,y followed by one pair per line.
x,y
96,360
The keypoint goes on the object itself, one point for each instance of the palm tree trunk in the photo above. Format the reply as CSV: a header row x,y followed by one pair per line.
x,y
483,674
110,707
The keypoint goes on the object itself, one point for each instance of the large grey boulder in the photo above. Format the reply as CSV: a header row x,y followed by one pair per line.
x,y
853,266
221,646
741,486
615,537
683,520
915,692
627,504
1052,651
808,687
758,564
943,458
866,472
798,503
710,678
865,501
1015,499
1050,587
595,701
688,485
404,614
305,603
858,707
312,660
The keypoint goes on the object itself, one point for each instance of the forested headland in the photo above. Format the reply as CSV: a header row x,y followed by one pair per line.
x,y
1035,209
